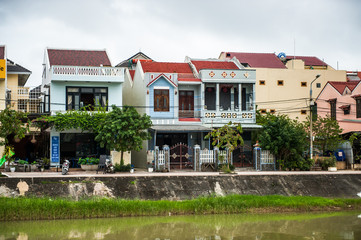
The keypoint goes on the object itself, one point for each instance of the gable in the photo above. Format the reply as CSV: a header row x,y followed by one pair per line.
x,y
165,77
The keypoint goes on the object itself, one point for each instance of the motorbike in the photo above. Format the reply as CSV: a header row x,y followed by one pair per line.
x,y
109,168
65,167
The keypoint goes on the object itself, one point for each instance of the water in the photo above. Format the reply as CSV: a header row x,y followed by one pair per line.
x,y
214,227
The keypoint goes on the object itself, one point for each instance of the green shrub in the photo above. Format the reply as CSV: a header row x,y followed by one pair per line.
x,y
22,162
122,168
88,161
327,162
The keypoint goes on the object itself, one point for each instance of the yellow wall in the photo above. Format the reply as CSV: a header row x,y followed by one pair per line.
x,y
291,98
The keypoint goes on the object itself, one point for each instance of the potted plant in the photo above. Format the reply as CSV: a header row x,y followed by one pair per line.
x,y
89,163
34,166
21,165
150,167
46,163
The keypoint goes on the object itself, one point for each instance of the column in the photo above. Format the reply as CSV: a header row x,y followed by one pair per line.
x,y
166,157
217,97
156,158
196,158
240,97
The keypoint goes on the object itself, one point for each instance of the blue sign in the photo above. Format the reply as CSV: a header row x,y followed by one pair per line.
x,y
55,150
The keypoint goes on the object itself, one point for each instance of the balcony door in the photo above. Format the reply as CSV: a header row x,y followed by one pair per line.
x,y
186,104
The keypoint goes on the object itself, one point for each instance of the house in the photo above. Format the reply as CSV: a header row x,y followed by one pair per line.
x,y
342,101
186,100
76,78
283,82
16,96
131,62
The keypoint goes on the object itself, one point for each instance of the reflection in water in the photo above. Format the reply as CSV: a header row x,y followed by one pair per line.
x,y
213,227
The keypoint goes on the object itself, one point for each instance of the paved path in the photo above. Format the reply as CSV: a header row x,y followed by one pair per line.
x,y
142,173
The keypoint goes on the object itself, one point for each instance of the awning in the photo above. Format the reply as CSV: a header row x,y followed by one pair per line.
x,y
182,128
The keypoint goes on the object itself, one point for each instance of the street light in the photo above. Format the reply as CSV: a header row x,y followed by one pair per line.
x,y
311,104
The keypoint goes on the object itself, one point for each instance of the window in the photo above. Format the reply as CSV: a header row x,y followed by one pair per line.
x,y
161,100
280,82
88,97
303,84
272,111
358,107
303,112
318,85
263,111
333,108
262,82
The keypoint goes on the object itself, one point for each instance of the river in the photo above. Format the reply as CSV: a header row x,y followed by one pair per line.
x,y
339,225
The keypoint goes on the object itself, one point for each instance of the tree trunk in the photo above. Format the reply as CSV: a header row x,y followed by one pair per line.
x,y
121,158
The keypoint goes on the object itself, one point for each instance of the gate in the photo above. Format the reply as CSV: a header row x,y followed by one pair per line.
x,y
243,156
181,156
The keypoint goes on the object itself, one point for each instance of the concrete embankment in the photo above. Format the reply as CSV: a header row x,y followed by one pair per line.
x,y
178,186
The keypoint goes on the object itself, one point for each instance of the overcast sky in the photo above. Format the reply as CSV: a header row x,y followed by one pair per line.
x,y
168,30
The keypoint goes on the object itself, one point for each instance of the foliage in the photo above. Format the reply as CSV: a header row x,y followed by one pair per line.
x,y
22,162
355,140
122,168
34,163
12,122
326,131
9,153
88,161
46,161
326,162
224,168
285,138
228,136
123,130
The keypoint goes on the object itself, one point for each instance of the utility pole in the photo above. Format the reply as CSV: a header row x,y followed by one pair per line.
x,y
311,104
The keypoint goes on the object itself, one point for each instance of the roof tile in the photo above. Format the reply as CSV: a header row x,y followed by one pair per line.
x,y
2,52
340,86
166,67
214,65
257,60
92,58
309,60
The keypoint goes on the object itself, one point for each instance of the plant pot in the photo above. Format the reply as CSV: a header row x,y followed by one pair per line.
x,y
332,169
86,167
12,169
132,170
150,169
33,167
42,169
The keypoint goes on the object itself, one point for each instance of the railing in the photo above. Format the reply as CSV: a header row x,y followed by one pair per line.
x,y
87,71
210,115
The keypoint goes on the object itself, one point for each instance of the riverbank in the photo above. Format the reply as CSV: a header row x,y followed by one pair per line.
x,y
45,208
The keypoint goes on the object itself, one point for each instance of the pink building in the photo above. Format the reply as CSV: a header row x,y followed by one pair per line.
x,y
342,101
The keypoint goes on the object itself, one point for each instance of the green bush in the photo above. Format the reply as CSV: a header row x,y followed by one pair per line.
x,y
122,168
88,161
327,162
22,162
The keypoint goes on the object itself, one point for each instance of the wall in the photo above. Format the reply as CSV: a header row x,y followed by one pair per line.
x,y
271,96
185,187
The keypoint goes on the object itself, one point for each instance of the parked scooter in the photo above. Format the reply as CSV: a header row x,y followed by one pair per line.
x,y
109,168
65,168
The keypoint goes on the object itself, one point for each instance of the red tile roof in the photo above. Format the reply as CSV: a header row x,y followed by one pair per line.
x,y
132,72
166,67
309,61
340,86
2,52
92,58
187,77
257,60
214,65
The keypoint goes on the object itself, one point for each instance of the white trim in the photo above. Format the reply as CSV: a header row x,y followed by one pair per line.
x,y
161,87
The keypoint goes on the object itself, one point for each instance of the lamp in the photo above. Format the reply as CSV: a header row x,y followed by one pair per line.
x,y
311,104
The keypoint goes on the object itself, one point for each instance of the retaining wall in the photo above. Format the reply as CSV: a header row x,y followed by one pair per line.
x,y
185,187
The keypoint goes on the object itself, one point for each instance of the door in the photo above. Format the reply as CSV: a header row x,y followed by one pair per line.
x,y
186,104
181,156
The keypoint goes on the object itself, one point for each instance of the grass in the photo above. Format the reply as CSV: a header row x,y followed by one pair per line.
x,y
23,208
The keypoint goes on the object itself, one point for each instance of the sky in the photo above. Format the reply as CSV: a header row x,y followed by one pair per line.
x,y
169,30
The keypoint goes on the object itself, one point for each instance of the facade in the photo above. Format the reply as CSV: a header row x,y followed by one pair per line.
x,y
342,101
74,80
283,83
186,100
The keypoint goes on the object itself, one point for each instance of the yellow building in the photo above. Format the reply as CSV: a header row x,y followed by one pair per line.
x,y
283,84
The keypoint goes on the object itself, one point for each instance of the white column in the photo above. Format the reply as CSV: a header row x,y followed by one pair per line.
x,y
217,97
232,98
240,97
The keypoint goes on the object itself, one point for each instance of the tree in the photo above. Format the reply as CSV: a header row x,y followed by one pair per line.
x,y
326,132
12,122
228,136
123,130
285,138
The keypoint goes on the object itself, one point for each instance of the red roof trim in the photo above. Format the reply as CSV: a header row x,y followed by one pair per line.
x,y
160,75
189,80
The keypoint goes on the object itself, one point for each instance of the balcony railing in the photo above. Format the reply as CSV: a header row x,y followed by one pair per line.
x,y
87,73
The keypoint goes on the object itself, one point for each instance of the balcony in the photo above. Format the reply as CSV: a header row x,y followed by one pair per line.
x,y
89,74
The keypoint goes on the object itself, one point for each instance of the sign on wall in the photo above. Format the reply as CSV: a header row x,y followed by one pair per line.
x,y
55,160
2,68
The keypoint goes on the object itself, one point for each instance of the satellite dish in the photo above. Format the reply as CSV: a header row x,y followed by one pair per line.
x,y
282,56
